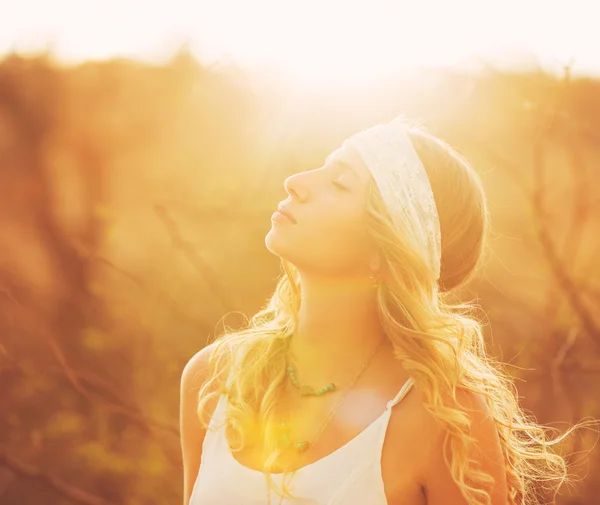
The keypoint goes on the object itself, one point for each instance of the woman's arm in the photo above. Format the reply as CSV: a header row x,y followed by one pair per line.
x,y
439,486
194,374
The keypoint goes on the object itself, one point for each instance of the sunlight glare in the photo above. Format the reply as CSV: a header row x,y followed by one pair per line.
x,y
315,41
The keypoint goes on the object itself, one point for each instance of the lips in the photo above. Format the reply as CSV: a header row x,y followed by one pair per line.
x,y
286,213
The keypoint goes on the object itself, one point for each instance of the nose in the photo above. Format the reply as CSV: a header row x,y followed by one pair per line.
x,y
296,187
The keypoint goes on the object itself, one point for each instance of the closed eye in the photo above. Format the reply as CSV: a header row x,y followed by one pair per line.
x,y
339,185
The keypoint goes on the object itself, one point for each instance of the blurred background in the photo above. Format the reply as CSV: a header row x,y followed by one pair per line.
x,y
143,148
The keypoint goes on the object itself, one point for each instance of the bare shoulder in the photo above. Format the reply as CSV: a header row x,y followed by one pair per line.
x,y
473,404
424,477
483,424
487,452
197,370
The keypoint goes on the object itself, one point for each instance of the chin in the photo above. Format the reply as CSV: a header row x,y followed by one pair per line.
x,y
275,242
280,245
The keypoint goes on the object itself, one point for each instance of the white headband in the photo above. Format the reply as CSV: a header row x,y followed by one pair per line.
x,y
403,183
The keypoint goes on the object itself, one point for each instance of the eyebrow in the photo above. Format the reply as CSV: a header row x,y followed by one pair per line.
x,y
345,164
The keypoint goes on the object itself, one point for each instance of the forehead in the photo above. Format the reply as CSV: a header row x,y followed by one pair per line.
x,y
348,155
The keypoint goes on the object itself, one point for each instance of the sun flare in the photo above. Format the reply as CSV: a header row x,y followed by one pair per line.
x,y
316,41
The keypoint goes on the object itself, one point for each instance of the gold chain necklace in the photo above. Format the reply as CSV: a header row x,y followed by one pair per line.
x,y
303,445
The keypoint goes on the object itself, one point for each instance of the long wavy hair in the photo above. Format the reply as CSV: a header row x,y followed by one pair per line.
x,y
441,346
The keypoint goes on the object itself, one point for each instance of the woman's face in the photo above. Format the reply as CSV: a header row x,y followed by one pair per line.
x,y
327,232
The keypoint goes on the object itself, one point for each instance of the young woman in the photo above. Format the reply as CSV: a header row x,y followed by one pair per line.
x,y
362,382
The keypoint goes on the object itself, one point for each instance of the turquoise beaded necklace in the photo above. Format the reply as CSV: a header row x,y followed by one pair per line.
x,y
308,390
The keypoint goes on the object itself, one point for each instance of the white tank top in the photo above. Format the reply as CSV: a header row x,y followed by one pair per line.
x,y
350,475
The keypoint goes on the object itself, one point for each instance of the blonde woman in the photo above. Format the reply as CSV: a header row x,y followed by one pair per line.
x,y
361,382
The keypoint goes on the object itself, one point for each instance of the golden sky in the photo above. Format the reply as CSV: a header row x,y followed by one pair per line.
x,y
313,38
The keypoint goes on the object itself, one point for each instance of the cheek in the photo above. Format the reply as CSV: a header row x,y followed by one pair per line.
x,y
344,232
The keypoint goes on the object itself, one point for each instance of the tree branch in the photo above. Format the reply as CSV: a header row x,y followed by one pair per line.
x,y
205,270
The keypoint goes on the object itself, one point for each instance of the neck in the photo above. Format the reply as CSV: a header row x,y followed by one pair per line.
x,y
338,328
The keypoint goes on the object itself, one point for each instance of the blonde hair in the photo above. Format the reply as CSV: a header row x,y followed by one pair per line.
x,y
441,346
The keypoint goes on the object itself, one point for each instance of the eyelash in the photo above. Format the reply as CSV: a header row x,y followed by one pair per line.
x,y
342,187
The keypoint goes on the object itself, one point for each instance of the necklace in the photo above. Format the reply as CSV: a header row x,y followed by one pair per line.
x,y
303,445
308,390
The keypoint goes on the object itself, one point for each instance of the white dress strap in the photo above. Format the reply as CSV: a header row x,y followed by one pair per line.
x,y
401,394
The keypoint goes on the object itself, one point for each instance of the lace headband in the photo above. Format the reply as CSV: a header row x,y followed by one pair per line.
x,y
403,183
